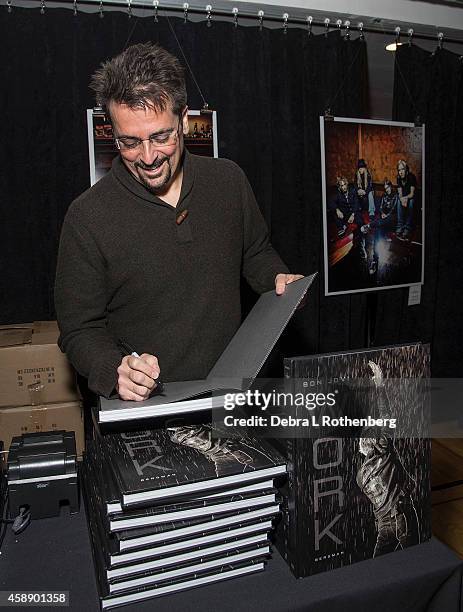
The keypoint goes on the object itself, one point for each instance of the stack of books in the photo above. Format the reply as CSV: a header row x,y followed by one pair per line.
x,y
175,508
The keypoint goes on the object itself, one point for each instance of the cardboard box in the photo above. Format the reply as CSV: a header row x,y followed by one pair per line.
x,y
15,421
33,370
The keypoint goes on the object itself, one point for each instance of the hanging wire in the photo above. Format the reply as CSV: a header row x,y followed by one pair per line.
x,y
235,16
285,23
401,75
129,8
75,7
186,6
209,15
155,6
346,75
309,25
205,104
260,14
101,9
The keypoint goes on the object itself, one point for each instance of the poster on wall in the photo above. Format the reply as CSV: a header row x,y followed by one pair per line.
x,y
373,204
200,140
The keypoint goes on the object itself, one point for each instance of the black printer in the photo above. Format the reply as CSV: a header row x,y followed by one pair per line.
x,y
42,473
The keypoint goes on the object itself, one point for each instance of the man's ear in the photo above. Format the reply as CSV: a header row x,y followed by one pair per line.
x,y
186,127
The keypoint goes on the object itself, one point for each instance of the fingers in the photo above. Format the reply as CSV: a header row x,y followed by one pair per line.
x,y
137,377
281,280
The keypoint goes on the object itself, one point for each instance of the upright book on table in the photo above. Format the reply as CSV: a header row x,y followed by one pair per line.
x,y
155,466
355,494
235,369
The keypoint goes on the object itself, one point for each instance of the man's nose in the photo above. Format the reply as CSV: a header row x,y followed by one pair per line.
x,y
148,153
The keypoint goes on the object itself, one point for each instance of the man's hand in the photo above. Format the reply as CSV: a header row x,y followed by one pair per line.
x,y
339,214
404,201
137,377
351,218
281,280
361,192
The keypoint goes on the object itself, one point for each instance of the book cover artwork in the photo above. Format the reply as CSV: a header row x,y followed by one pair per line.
x,y
358,495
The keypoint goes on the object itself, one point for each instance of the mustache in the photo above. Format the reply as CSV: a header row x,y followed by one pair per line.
x,y
156,164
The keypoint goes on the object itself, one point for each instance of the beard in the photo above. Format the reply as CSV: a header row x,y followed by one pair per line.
x,y
157,184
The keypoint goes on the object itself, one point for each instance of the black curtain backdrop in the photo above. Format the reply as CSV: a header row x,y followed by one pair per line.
x,y
269,89
430,85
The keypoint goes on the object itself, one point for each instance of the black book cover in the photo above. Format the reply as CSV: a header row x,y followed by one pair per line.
x,y
153,465
165,513
157,585
169,531
236,537
241,360
357,495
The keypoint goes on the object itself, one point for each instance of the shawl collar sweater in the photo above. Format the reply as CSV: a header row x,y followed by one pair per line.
x,y
126,270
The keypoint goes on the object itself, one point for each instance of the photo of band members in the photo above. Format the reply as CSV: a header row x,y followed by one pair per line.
x,y
373,204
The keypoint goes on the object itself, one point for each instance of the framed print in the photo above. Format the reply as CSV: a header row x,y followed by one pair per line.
x,y
373,204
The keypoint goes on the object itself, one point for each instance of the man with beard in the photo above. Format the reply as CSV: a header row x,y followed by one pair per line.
x,y
152,254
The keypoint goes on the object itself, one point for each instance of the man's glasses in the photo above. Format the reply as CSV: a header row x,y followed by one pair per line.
x,y
158,141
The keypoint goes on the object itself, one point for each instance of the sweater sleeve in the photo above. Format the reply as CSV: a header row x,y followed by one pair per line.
x,y
261,263
80,301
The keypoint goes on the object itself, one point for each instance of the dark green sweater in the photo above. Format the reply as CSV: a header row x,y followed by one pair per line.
x,y
127,271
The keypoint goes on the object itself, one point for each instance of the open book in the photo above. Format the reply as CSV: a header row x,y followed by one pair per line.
x,y
235,369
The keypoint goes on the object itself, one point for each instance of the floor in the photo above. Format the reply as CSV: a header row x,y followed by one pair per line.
x,y
447,501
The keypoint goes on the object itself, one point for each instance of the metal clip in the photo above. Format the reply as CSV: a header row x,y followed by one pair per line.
x,y
155,6
309,25
129,8
235,16
101,9
362,34
75,7
328,115
285,23
42,7
186,6
397,35
327,26
410,33
209,15
440,40
260,14
10,8
347,26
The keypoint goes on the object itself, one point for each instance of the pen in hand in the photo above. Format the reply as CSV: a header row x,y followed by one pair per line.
x,y
129,349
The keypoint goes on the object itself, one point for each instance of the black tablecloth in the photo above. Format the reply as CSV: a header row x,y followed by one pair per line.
x,y
54,554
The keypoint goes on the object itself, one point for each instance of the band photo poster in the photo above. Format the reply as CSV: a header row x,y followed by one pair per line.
x,y
373,204
200,140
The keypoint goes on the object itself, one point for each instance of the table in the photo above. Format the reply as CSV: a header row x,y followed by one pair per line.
x,y
54,554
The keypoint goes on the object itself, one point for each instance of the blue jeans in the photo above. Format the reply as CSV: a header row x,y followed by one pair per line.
x,y
368,201
405,215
